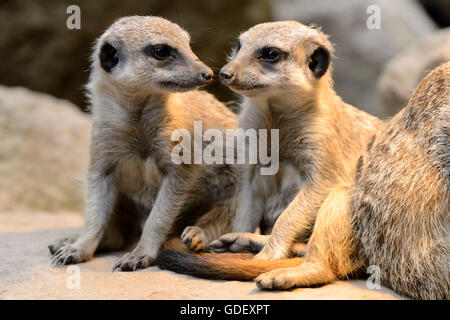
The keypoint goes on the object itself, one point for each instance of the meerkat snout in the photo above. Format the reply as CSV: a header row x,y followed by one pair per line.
x,y
207,75
145,53
226,76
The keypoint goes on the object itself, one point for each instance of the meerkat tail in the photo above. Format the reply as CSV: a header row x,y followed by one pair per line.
x,y
220,266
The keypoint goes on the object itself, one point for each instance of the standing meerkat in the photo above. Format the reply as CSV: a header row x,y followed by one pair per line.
x,y
141,68
392,210
283,71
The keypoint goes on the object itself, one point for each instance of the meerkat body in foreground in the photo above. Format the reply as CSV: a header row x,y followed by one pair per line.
x,y
395,214
400,200
140,69
389,207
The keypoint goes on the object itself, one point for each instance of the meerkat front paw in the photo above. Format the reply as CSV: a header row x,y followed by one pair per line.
x,y
279,279
133,261
69,253
195,238
239,242
58,244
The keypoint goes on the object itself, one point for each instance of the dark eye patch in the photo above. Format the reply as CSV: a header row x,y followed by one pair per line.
x,y
236,46
270,54
160,51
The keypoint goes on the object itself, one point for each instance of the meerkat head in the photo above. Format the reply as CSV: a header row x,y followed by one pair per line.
x,y
278,57
148,53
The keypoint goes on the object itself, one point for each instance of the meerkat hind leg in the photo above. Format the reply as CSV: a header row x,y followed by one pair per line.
x,y
208,227
243,242
195,238
240,242
328,251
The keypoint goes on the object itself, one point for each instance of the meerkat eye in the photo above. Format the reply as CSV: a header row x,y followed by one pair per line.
x,y
270,54
159,51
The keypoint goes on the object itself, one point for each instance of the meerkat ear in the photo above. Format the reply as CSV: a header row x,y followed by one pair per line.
x,y
108,57
320,60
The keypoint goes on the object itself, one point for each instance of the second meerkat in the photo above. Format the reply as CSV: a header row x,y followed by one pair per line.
x,y
141,67
283,71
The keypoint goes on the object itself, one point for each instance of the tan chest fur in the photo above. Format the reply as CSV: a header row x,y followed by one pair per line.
x,y
139,179
275,192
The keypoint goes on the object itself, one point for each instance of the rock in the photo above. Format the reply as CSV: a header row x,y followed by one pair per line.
x,y
43,151
360,53
402,74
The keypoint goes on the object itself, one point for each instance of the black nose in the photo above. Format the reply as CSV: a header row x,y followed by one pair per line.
x,y
207,76
224,75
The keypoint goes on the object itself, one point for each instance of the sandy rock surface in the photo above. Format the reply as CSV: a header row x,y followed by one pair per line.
x,y
25,271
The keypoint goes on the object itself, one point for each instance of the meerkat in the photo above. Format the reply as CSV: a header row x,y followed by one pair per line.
x,y
392,210
282,70
286,84
400,199
141,74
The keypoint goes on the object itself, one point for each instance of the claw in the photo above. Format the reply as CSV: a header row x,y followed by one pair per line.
x,y
68,260
51,248
117,267
56,259
138,265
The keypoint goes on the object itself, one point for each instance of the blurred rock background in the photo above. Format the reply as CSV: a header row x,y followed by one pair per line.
x,y
39,52
44,141
403,72
44,145
361,53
